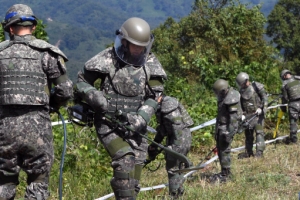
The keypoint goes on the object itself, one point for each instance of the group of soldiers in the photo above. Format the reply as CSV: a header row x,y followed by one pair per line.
x,y
131,92
250,103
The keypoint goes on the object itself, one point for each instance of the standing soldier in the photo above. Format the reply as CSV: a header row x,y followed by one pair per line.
x,y
254,101
291,95
28,68
229,115
131,86
174,122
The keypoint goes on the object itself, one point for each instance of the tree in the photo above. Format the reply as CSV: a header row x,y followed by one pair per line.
x,y
217,40
39,32
284,28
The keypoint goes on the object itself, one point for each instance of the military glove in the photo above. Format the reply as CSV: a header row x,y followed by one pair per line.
x,y
283,108
258,111
96,100
136,123
152,151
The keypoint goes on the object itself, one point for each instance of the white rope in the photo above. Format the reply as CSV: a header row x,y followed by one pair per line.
x,y
205,124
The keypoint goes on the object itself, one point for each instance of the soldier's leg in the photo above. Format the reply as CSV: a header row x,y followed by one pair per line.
x,y
37,155
260,139
9,169
293,117
249,139
140,157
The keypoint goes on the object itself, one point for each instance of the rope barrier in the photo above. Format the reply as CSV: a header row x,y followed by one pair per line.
x,y
205,124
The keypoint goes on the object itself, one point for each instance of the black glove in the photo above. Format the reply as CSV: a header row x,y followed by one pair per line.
x,y
153,151
283,108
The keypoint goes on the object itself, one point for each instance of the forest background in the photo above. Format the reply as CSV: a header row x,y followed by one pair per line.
x,y
197,42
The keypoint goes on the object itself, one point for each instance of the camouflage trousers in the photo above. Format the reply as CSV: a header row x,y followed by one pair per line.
x,y
26,143
294,111
224,148
128,156
257,126
181,145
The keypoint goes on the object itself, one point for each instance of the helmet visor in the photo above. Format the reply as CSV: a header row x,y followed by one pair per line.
x,y
130,53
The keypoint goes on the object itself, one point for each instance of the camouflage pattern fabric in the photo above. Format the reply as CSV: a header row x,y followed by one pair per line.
x,y
291,95
227,124
173,122
252,98
126,91
25,143
25,126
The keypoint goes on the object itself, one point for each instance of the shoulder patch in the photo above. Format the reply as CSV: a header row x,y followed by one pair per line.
x,y
169,104
156,69
101,62
41,44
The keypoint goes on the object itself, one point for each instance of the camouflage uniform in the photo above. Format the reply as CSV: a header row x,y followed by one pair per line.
x,y
128,90
174,121
291,95
28,67
252,98
229,114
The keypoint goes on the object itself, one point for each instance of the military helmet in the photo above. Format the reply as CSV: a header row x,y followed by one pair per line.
x,y
220,87
241,78
19,14
284,72
135,31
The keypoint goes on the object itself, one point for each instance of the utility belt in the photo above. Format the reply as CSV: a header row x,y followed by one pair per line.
x,y
17,110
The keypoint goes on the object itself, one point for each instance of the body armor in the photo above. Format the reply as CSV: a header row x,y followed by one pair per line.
x,y
23,79
292,87
229,104
124,86
250,99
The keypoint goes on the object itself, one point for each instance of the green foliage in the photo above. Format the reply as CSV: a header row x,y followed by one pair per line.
x,y
215,42
2,35
40,32
284,28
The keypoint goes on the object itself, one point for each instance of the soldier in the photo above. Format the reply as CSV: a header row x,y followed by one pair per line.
x,y
229,115
291,95
173,121
28,67
130,90
254,100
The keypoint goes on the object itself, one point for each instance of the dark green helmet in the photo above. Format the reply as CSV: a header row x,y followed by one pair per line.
x,y
284,72
220,87
134,31
19,14
241,78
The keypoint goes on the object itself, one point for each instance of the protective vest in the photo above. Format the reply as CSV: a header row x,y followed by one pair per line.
x,y
22,79
231,103
250,99
124,87
293,88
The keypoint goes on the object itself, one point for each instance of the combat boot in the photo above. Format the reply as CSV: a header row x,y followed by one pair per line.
x,y
289,140
245,155
259,154
222,177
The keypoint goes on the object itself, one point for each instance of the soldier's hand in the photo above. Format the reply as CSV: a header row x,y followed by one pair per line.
x,y
258,111
152,151
96,100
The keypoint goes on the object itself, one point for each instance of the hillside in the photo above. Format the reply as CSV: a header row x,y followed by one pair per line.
x,y
83,29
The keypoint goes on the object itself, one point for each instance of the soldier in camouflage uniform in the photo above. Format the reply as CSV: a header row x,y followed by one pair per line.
x,y
291,95
130,89
254,100
173,121
28,67
229,115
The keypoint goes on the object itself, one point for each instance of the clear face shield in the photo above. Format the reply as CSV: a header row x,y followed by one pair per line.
x,y
130,53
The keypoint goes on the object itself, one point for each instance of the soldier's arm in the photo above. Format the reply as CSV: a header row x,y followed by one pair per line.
x,y
233,118
55,68
263,95
284,99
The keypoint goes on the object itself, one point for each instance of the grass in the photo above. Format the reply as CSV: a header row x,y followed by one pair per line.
x,y
87,172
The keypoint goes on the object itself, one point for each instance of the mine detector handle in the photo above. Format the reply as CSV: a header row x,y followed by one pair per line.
x,y
177,155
